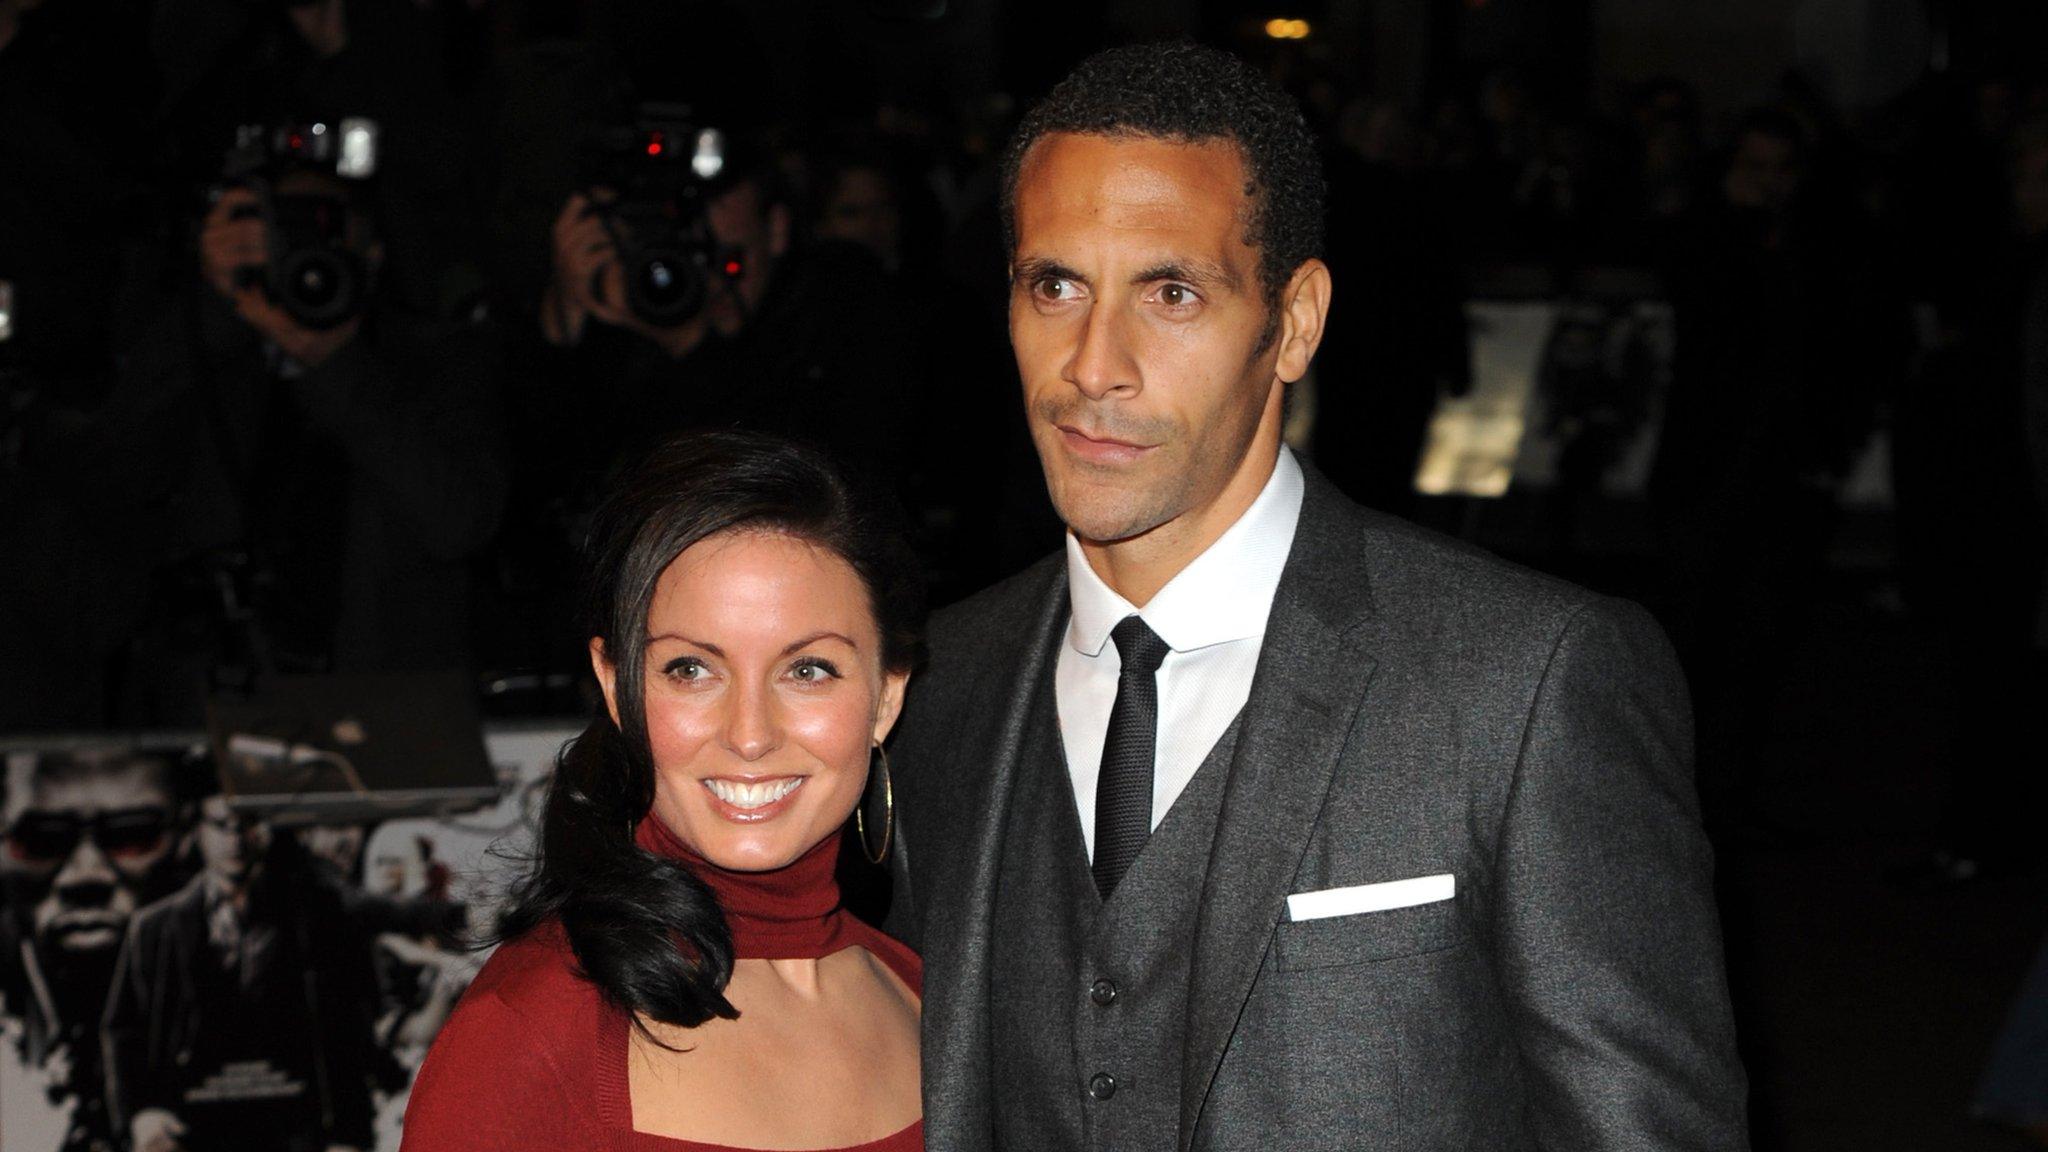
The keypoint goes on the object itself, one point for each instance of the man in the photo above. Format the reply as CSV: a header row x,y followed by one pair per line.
x,y
1784,345
796,339
791,339
1258,820
241,1009
313,487
88,838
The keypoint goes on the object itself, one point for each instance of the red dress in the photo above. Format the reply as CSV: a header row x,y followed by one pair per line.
x,y
533,1058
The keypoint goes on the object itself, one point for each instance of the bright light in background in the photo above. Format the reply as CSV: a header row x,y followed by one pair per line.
x,y
1475,443
1278,29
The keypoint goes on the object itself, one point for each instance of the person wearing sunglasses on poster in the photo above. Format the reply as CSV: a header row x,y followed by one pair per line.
x,y
89,837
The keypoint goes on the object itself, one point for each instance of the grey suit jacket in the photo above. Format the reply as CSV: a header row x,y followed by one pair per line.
x,y
1419,708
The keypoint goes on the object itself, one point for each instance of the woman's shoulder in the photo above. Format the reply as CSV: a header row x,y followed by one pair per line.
x,y
529,994
535,971
513,1061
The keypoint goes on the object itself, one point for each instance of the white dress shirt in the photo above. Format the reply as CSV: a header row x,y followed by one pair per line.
x,y
1212,616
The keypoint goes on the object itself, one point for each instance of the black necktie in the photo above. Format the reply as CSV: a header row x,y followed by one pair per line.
x,y
1123,793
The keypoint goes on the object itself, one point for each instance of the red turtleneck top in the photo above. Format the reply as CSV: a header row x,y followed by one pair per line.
x,y
533,1057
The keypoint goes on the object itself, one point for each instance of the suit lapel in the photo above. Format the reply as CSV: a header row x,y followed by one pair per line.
x,y
1312,675
958,918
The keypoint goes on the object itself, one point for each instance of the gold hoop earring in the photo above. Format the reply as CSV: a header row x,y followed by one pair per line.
x,y
888,815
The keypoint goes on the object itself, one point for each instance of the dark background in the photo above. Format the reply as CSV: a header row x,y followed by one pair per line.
x,y
1835,207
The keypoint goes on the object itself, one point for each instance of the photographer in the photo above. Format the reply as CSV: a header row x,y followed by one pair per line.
x,y
343,446
799,341
803,340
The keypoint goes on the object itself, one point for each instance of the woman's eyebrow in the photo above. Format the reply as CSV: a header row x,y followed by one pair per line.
x,y
714,649
794,646
817,636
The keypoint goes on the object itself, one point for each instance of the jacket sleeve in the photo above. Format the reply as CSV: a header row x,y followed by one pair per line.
x,y
490,1083
125,1028
1608,942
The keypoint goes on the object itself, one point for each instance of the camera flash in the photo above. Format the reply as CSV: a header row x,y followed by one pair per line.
x,y
358,159
709,158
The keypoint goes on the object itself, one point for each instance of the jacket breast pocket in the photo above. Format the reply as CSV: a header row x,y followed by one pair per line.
x,y
1367,937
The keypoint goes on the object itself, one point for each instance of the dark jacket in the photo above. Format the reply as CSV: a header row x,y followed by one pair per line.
x,y
1419,709
170,1009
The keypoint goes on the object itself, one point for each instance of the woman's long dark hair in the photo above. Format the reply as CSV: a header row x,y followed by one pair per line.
x,y
644,930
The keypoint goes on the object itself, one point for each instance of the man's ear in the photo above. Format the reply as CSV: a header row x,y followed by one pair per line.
x,y
891,704
607,678
1304,306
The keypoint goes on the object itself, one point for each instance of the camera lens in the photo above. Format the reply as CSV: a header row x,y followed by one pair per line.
x,y
315,284
319,287
664,287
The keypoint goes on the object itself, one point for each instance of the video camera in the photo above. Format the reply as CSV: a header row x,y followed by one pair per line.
x,y
313,273
661,168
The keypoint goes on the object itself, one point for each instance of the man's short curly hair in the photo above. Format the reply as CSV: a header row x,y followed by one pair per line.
x,y
1185,92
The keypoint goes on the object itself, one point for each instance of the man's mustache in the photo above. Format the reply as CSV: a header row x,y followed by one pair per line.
x,y
1101,421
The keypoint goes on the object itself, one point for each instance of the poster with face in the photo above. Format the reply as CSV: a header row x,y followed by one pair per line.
x,y
90,836
177,974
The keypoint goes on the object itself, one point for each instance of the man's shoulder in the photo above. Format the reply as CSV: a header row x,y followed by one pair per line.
x,y
1434,588
996,615
187,902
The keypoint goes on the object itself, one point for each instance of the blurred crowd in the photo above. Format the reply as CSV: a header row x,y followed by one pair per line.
x,y
280,392
325,323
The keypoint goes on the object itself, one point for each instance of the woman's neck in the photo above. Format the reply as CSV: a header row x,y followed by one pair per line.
x,y
787,913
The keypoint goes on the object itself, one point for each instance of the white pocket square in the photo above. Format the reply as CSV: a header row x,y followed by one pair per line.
x,y
1381,897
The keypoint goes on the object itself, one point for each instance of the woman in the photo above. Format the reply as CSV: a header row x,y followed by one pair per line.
x,y
676,972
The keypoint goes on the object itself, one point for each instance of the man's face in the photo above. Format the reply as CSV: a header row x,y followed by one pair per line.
x,y
1137,317
863,210
230,844
760,235
84,842
1764,173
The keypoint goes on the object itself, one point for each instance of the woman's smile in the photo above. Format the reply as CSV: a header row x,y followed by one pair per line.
x,y
751,801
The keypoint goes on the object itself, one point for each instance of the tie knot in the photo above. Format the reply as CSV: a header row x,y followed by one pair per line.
x,y
1141,648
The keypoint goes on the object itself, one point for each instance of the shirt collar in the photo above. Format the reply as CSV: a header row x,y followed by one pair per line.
x,y
1224,594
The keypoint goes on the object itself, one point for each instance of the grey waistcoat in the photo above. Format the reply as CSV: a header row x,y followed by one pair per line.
x,y
1089,999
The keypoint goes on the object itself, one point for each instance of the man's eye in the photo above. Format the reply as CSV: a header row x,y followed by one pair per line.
x,y
1054,288
1175,295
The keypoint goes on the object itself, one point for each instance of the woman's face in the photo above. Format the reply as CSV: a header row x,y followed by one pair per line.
x,y
764,691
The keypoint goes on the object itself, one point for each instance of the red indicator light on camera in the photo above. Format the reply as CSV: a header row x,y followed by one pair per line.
x,y
732,267
654,144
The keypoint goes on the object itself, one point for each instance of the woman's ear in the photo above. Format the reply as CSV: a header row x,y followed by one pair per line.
x,y
607,677
891,704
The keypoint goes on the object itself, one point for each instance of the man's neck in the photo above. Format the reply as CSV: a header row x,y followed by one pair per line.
x,y
1136,568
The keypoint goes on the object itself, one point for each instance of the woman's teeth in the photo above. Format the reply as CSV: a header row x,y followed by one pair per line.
x,y
759,794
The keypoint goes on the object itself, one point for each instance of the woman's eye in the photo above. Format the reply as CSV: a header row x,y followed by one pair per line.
x,y
812,670
685,668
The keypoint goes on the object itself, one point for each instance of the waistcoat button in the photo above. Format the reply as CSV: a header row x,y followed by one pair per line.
x,y
1103,992
1102,1086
